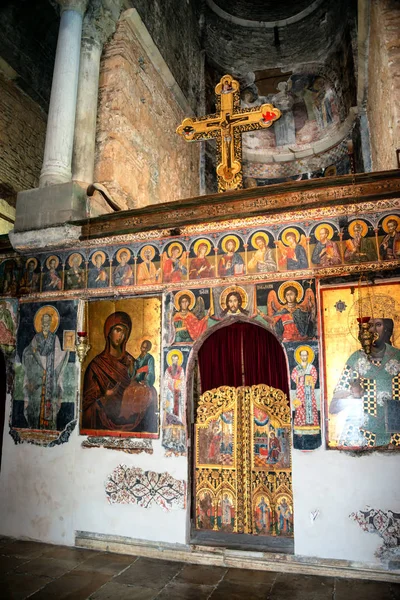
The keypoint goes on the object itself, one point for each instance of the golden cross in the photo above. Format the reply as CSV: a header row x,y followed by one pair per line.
x,y
227,126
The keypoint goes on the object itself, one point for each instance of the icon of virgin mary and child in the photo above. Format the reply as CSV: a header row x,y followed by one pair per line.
x,y
118,391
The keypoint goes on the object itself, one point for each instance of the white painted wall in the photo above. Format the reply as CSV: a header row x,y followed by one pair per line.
x,y
49,493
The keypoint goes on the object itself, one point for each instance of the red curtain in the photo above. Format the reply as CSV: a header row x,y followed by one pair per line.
x,y
242,354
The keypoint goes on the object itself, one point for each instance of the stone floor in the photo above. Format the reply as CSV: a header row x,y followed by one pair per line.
x,y
42,572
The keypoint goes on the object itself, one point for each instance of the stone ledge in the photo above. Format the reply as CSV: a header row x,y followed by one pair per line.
x,y
64,235
240,559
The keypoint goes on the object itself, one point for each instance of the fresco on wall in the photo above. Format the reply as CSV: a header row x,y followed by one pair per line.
x,y
385,523
389,247
174,263
362,391
75,273
98,271
123,273
278,251
310,109
8,325
186,315
202,263
30,279
131,485
148,266
231,262
53,275
8,332
9,277
305,394
359,243
121,386
324,246
174,400
288,309
45,373
292,249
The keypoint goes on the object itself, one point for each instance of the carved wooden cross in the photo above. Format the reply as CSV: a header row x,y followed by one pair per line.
x,y
226,126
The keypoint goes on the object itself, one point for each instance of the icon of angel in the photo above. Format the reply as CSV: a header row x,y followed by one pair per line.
x,y
293,250
189,320
292,312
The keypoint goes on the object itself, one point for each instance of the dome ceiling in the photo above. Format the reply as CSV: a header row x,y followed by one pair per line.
x,y
262,10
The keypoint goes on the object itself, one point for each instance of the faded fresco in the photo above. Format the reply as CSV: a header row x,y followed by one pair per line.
x,y
306,247
287,309
173,414
8,325
121,373
362,393
45,373
386,524
305,394
131,485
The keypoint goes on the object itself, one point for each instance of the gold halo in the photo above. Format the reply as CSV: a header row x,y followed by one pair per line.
x,y
285,234
324,226
264,495
99,253
260,234
310,351
34,260
282,289
230,80
199,243
70,258
148,247
175,245
184,293
387,219
226,240
49,310
170,355
53,256
120,251
233,288
363,224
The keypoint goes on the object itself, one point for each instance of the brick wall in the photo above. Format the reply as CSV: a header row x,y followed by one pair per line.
x,y
22,135
384,83
139,157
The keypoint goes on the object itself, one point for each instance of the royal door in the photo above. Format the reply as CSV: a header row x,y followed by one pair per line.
x,y
243,483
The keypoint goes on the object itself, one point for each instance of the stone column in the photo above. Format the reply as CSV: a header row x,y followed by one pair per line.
x,y
99,23
61,119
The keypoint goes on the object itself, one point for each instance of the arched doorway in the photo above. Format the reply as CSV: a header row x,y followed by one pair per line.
x,y
242,495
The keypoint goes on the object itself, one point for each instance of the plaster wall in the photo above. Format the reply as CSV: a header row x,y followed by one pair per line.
x,y
47,494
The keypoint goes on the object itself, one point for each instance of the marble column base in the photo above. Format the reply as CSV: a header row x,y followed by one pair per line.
x,y
50,206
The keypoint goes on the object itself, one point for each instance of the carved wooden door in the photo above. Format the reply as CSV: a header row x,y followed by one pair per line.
x,y
243,481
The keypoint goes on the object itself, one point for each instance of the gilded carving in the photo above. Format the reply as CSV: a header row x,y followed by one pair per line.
x,y
243,476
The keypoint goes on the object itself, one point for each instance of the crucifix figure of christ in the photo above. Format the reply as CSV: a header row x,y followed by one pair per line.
x,y
227,126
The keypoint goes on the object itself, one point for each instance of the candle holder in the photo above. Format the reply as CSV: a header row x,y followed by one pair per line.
x,y
82,345
365,335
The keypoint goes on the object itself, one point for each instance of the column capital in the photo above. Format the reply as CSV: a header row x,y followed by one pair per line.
x,y
100,20
76,5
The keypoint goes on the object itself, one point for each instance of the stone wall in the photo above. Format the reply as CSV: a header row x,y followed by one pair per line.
x,y
384,83
139,157
22,135
174,27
